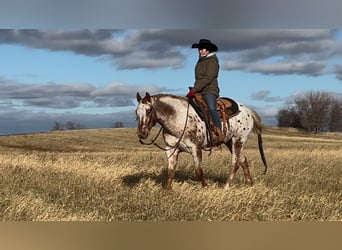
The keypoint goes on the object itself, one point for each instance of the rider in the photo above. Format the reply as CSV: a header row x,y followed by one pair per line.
x,y
206,74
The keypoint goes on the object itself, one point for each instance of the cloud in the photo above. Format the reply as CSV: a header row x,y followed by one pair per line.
x,y
266,51
274,52
263,95
26,108
125,49
283,52
72,95
279,68
338,71
85,42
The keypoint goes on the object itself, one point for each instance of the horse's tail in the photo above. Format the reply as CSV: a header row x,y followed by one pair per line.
x,y
258,130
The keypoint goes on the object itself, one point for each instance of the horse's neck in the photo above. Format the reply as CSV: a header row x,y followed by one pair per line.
x,y
170,111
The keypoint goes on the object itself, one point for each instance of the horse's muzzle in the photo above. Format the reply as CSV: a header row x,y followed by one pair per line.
x,y
143,134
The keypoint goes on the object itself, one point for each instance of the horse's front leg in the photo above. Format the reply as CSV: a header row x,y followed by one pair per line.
x,y
235,149
197,156
172,157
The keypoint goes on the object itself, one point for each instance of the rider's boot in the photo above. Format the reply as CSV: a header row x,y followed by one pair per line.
x,y
217,137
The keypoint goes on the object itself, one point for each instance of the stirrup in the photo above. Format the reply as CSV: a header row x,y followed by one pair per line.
x,y
219,135
217,138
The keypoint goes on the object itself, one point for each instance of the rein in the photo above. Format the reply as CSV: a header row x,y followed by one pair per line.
x,y
153,142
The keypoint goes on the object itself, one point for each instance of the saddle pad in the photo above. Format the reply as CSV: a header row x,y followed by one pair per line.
x,y
232,108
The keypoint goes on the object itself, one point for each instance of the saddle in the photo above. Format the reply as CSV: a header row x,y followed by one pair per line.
x,y
226,109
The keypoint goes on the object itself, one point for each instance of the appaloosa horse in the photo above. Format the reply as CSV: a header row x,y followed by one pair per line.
x,y
184,131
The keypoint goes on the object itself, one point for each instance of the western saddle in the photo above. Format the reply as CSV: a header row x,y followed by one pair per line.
x,y
226,109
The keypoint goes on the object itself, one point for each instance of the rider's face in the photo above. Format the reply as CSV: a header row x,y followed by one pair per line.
x,y
203,52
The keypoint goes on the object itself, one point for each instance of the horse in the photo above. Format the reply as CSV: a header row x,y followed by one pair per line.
x,y
184,131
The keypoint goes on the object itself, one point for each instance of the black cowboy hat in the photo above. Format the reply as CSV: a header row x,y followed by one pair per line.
x,y
205,44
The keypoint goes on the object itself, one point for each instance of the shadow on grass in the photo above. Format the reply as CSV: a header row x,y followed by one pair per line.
x,y
132,180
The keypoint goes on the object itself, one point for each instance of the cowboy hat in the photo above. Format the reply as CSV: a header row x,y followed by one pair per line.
x,y
205,44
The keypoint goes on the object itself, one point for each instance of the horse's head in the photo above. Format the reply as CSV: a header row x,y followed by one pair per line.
x,y
146,116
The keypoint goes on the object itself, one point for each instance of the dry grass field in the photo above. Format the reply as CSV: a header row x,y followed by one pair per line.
x,y
107,175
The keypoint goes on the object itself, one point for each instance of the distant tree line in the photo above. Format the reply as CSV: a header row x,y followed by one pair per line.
x,y
315,111
118,125
69,125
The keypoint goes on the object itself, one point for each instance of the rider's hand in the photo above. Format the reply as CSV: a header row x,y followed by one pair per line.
x,y
191,92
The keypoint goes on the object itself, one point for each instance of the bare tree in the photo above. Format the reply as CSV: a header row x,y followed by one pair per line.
x,y
288,117
58,126
314,111
335,122
72,125
69,125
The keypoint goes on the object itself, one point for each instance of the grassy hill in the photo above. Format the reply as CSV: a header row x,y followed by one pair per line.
x,y
106,174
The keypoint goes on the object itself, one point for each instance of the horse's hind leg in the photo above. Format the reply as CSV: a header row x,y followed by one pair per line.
x,y
232,172
197,156
244,165
235,148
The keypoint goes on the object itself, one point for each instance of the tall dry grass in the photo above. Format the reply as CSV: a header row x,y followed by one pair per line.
x,y
107,175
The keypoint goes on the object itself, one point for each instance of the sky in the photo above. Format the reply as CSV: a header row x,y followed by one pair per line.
x,y
91,76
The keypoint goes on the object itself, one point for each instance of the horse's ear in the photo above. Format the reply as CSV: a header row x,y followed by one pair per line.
x,y
147,97
138,97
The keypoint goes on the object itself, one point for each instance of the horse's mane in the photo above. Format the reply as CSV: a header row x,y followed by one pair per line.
x,y
159,96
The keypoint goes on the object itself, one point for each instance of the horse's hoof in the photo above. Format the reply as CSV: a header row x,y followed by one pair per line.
x,y
227,187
